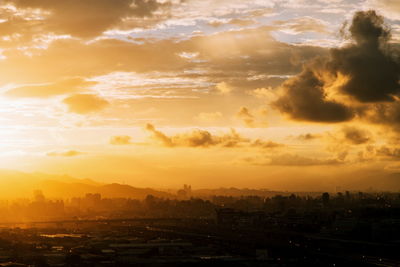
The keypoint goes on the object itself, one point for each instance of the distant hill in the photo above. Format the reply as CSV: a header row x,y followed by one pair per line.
x,y
53,188
14,184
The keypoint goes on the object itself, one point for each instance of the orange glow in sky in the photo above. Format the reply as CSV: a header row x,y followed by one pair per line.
x,y
288,95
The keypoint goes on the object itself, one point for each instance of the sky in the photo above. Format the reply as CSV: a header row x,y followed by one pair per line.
x,y
285,95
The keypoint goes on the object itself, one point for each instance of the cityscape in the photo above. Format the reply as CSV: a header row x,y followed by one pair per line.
x,y
287,229
174,133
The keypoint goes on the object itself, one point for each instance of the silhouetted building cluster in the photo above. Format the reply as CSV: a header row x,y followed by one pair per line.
x,y
345,229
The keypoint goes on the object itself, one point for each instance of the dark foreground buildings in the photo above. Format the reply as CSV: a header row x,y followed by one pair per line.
x,y
350,229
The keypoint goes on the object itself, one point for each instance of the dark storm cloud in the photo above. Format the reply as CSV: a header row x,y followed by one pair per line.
x,y
368,68
370,63
304,99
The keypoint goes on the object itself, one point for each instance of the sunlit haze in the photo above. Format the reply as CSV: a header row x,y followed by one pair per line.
x,y
293,95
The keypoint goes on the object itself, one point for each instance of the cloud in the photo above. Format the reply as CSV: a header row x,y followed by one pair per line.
x,y
296,160
203,138
236,21
290,160
242,22
359,60
87,18
267,93
307,137
159,136
303,98
250,119
389,153
223,88
196,138
387,114
121,140
356,136
53,89
245,115
231,60
330,89
85,103
68,153
265,144
302,25
389,8
208,116
381,153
